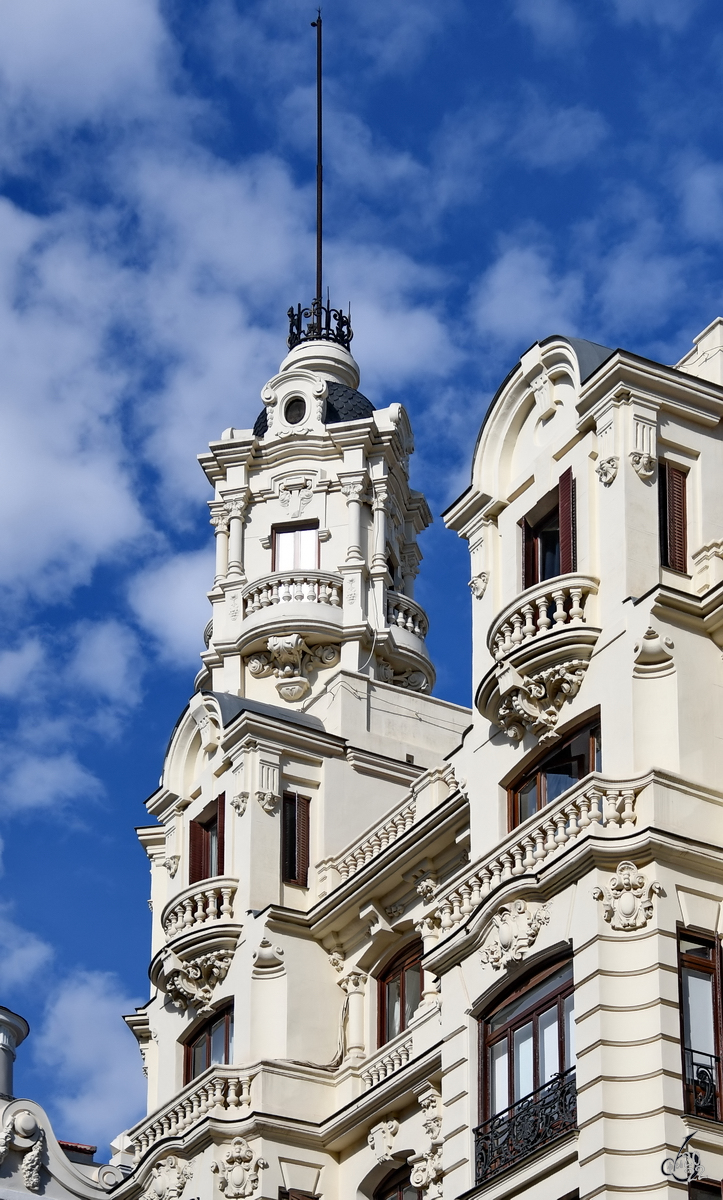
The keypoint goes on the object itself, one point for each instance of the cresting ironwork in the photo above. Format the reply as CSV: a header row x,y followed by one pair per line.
x,y
319,323
701,1081
530,1124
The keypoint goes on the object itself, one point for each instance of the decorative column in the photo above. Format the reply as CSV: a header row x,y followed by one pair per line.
x,y
354,1043
411,558
220,522
428,930
236,508
13,1030
379,556
352,487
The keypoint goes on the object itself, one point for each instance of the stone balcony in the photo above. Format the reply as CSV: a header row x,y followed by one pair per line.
x,y
200,940
541,643
303,601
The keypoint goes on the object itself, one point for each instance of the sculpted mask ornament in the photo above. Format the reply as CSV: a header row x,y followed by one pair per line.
x,y
193,982
607,469
290,660
534,701
628,898
516,927
478,584
427,1170
168,1179
239,802
171,864
238,1170
643,464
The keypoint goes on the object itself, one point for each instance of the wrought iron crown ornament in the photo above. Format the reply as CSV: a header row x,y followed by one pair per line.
x,y
319,323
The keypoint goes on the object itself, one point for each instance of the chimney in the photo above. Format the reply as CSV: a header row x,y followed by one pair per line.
x,y
13,1031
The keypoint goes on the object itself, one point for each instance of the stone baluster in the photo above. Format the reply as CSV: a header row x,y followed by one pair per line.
x,y
518,852
543,620
561,834
231,1095
559,616
529,629
628,814
577,615
517,634
540,851
529,863
226,907
612,816
245,1097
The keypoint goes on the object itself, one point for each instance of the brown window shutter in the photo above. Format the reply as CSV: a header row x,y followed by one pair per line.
x,y
568,548
302,841
288,837
197,838
529,556
677,547
220,830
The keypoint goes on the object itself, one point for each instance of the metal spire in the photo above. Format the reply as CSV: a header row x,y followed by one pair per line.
x,y
319,167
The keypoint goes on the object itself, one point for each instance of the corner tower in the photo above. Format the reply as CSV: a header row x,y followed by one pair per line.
x,y
316,536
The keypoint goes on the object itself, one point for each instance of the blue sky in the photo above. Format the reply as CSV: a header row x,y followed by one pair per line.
x,y
496,172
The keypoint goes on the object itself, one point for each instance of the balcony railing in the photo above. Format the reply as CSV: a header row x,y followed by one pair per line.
x,y
702,1087
219,1092
386,1062
540,610
200,904
531,1124
287,587
407,614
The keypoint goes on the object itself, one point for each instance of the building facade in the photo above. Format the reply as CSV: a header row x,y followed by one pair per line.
x,y
406,950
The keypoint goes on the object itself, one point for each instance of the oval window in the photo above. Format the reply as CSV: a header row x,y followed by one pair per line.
x,y
295,411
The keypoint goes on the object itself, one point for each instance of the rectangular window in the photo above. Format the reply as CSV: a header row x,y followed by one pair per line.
x,y
549,546
296,548
400,992
211,1045
206,843
700,1006
295,839
672,517
553,774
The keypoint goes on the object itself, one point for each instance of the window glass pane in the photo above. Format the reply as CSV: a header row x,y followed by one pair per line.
x,y
212,828
527,799
549,1052
412,991
548,545
198,1057
597,739
218,1042
393,1012
410,1193
284,558
524,1061
230,1038
499,1077
307,549
569,1009
698,1011
532,996
699,949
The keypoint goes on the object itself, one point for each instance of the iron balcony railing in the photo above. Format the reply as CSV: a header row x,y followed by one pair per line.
x,y
527,1126
702,1087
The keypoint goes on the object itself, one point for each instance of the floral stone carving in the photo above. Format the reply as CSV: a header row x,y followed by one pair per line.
x,y
628,898
516,927
21,1132
193,982
534,701
168,1179
427,1170
238,1170
289,658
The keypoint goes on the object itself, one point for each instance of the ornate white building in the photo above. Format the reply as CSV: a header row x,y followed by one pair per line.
x,y
404,950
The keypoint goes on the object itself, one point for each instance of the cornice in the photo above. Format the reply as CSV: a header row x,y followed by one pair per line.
x,y
695,399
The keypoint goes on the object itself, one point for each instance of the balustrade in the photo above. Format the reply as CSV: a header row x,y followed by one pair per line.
x,y
594,805
372,844
386,1064
406,614
541,610
285,587
221,1090
211,900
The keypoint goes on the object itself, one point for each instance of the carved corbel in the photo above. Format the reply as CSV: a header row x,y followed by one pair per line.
x,y
427,1169
168,1179
628,898
478,584
534,701
239,802
607,470
191,982
381,1139
643,464
171,864
515,930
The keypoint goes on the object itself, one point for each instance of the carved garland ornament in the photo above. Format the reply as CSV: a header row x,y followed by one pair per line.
x,y
22,1132
290,659
628,898
534,701
516,928
238,1170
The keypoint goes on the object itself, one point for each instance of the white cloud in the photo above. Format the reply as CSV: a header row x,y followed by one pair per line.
x,y
558,137
520,298
555,24
170,602
22,953
100,1088
670,14
640,285
33,781
16,666
107,660
702,192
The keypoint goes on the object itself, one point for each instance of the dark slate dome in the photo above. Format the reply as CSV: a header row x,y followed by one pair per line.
x,y
342,404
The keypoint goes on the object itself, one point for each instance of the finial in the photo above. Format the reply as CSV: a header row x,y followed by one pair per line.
x,y
323,323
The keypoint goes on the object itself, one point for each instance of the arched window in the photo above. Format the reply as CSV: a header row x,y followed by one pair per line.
x,y
527,1049
397,1187
554,773
211,1044
400,991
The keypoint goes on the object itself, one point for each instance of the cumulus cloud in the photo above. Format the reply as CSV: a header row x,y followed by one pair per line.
x,y
670,14
702,196
170,602
107,660
560,137
37,781
555,24
521,298
16,666
22,953
99,1088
